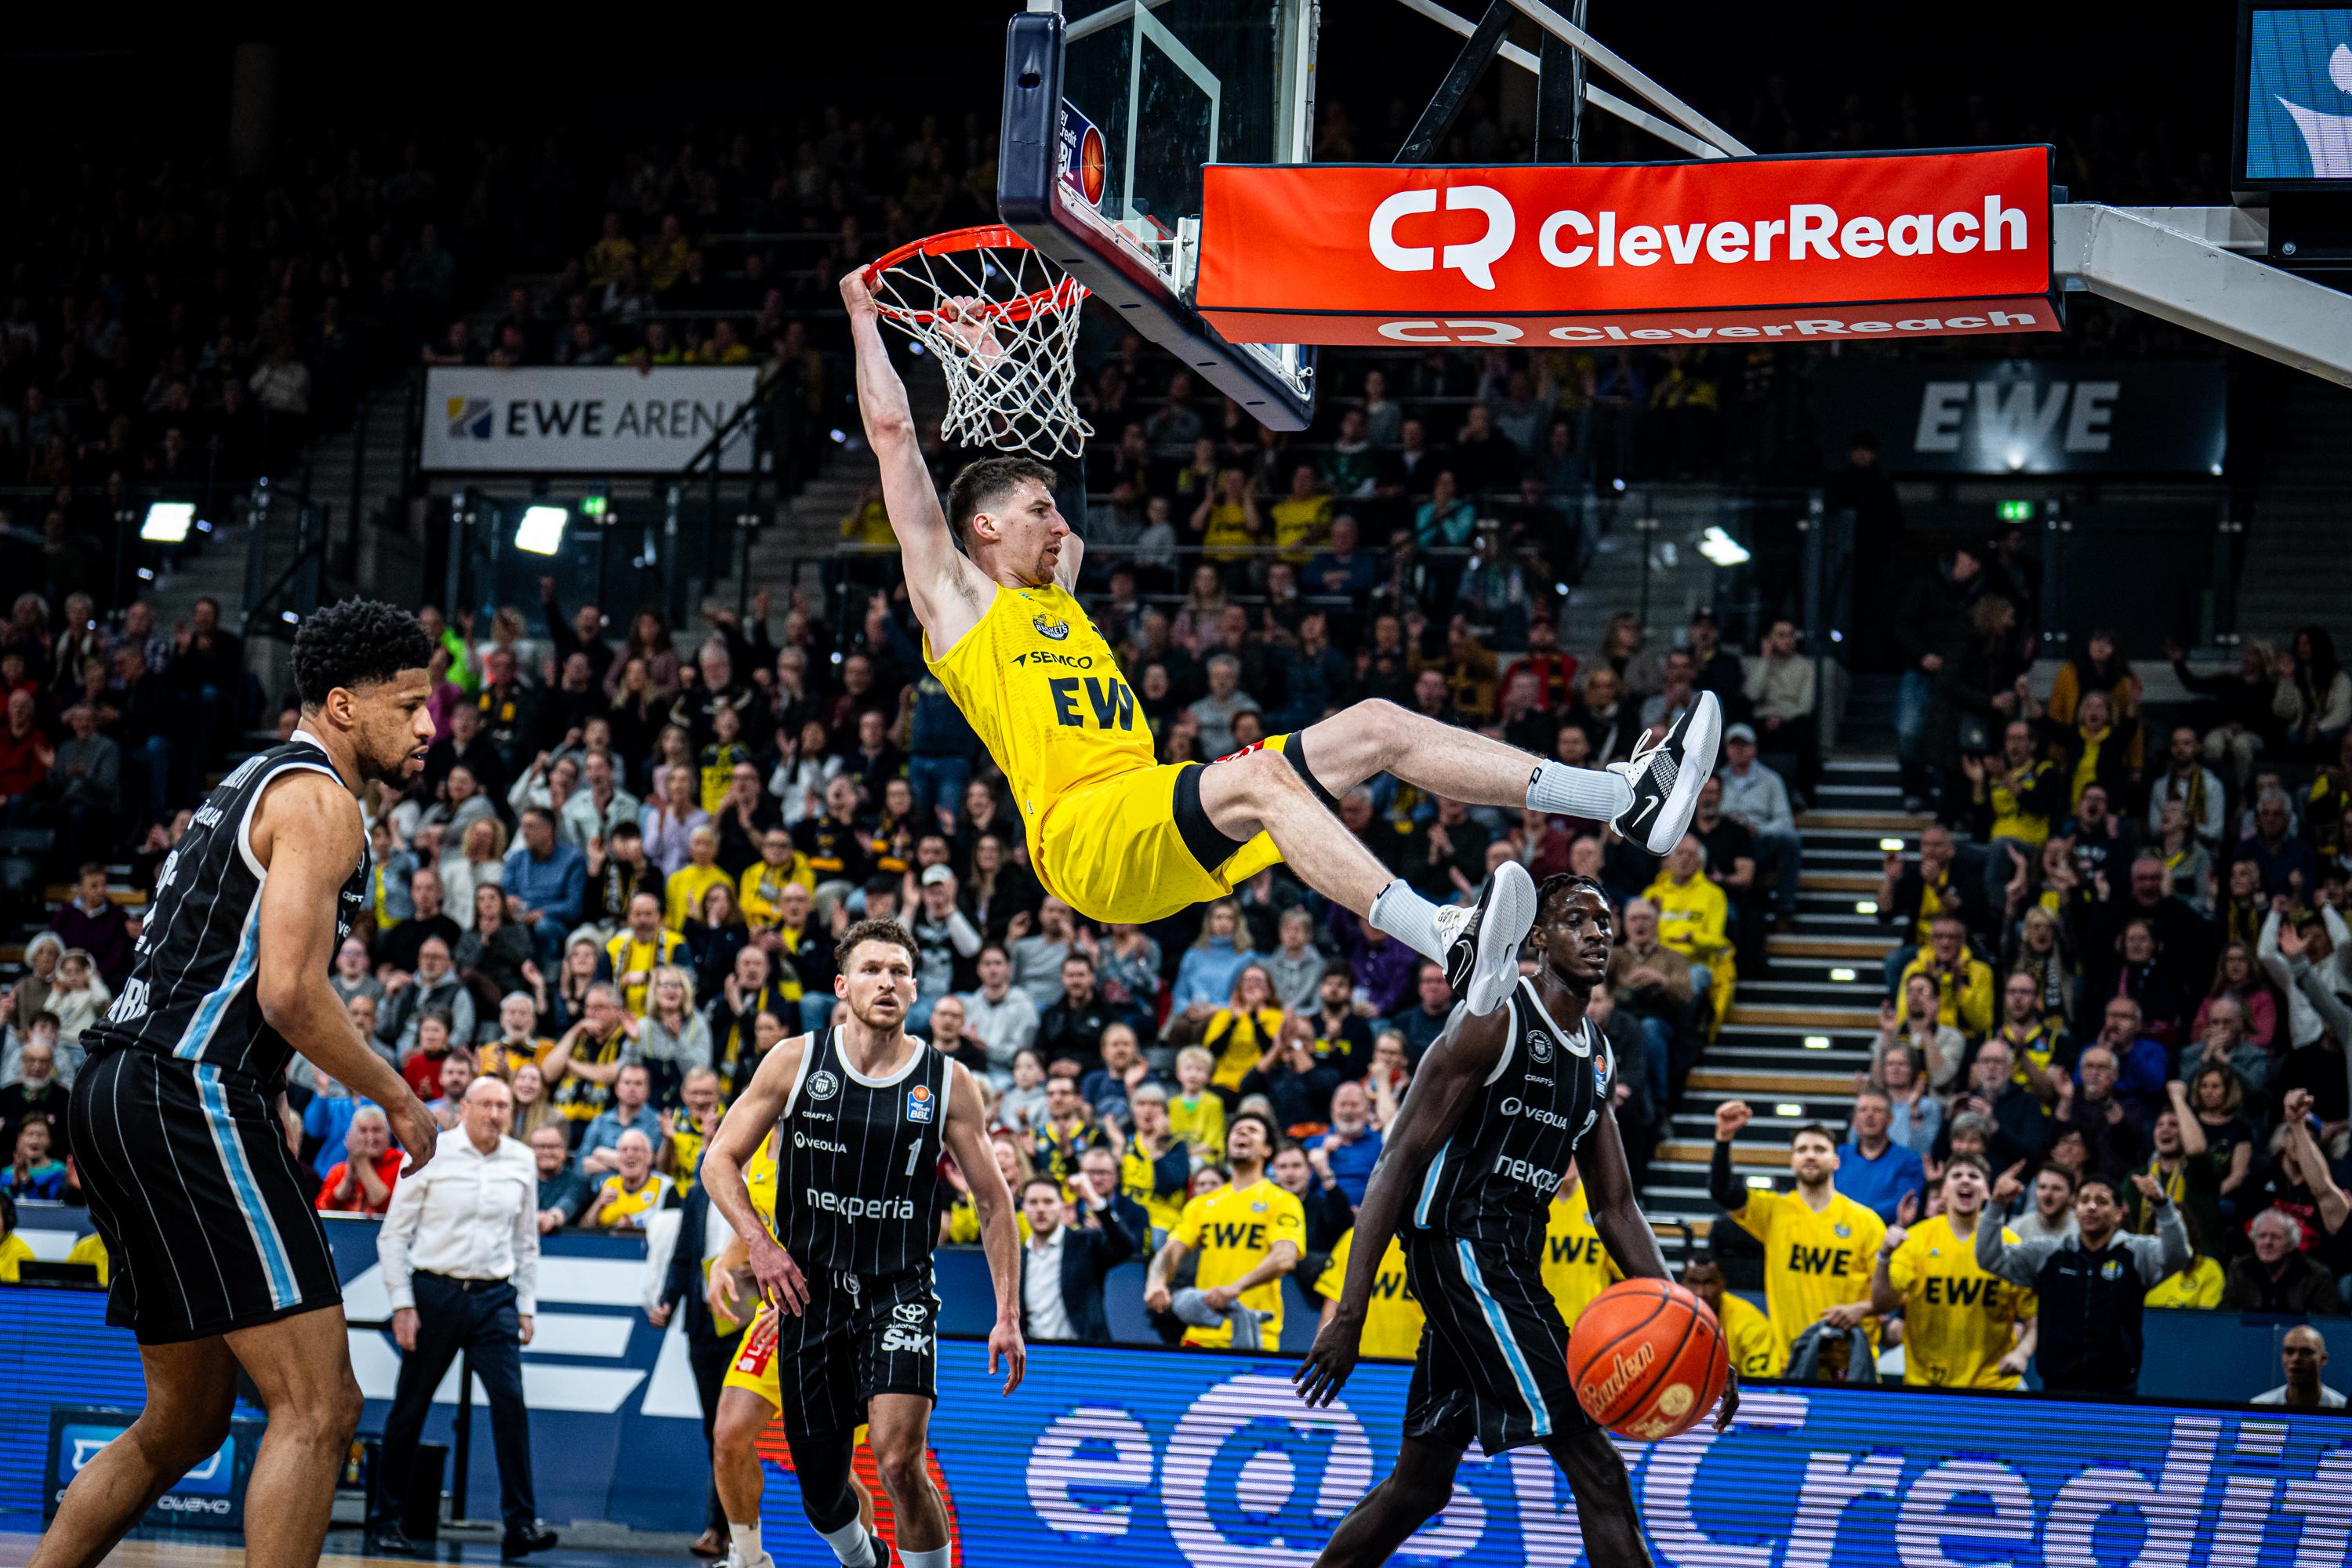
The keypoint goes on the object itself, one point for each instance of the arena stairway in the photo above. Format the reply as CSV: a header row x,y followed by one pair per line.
x,y
1798,1032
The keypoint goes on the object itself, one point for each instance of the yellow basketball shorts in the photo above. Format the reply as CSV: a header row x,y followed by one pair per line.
x,y
1139,848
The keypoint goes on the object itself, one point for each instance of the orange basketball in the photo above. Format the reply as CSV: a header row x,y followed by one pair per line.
x,y
1647,1359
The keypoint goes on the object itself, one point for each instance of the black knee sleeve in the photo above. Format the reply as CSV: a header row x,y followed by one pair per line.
x,y
823,1466
1294,747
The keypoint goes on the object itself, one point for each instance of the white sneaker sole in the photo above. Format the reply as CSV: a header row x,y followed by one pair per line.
x,y
1695,767
1502,930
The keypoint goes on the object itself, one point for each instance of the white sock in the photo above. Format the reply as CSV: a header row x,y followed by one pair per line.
x,y
1409,917
1594,794
851,1544
936,1557
746,1543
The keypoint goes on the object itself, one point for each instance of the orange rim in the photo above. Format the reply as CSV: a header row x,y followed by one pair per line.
x,y
1058,296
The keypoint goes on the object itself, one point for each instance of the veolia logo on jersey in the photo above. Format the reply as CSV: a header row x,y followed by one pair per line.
x,y
918,1103
1515,1105
823,1085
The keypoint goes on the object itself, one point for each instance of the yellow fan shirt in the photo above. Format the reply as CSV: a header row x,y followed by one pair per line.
x,y
1748,1337
1576,1266
1957,1319
1393,1318
1811,1261
1234,1229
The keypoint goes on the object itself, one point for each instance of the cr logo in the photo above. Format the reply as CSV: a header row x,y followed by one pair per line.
x,y
1475,261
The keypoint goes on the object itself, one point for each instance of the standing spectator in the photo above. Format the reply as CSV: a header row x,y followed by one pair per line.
x,y
2187,783
1344,1153
2242,701
1063,1265
1694,918
1962,1327
630,1110
999,1015
1963,982
636,951
1756,797
2303,1356
1910,896
435,988
460,1254
673,1039
1818,1242
1876,1172
2314,696
85,783
362,1181
2277,1275
2092,1287
1250,1233
587,1061
1037,955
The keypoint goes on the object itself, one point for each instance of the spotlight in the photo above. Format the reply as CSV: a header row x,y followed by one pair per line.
x,y
168,522
541,532
1721,547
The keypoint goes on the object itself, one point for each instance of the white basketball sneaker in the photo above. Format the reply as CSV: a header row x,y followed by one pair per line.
x,y
1482,940
1666,776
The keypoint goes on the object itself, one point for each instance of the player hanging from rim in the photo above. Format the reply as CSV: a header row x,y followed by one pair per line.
x,y
752,1394
862,1113
1122,838
1500,1105
219,1260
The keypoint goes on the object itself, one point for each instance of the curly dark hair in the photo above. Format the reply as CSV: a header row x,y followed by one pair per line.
x,y
356,643
874,931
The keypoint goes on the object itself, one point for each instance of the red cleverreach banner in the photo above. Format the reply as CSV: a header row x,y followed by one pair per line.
x,y
1390,246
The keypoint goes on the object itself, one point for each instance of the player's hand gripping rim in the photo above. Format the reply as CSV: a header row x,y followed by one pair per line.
x,y
780,1279
1329,1362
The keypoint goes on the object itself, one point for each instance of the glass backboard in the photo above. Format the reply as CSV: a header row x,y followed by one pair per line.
x,y
1112,110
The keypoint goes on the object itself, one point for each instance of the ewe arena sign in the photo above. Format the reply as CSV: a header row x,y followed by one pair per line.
x,y
1795,250
611,420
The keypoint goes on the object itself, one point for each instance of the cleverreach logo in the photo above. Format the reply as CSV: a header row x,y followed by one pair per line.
x,y
852,1207
470,418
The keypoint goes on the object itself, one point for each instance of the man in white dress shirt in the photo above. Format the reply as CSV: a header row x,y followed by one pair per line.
x,y
459,1248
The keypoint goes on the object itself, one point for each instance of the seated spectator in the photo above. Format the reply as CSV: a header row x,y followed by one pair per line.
x,y
1021,1108
1344,1153
1296,966
1694,918
2139,1060
2214,1132
673,1039
668,824
1109,1088
496,953
563,1193
457,1076
1872,1168
1652,985
617,872
1037,945
2314,696
518,1043
1910,896
78,998
2113,1136
548,880
1215,710
93,921
435,987
2013,1111
533,1106
1066,1131
2035,1015
586,1062
686,1130
999,1015
1238,1033
2284,862
1343,1032
640,949
421,1067
1096,1187
1962,983
361,1183
32,1171
1915,1116
397,949
2186,783
633,1190
631,1108
1196,1114
1327,1212
38,1092
1287,1073
1419,1024
2239,978
2303,1356
2277,1275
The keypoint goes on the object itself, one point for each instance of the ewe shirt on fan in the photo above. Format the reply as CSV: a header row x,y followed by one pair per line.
x,y
1576,1266
1394,1320
1233,1229
1811,1261
1956,1317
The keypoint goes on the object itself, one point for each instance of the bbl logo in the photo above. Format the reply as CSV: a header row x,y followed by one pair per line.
x,y
1057,630
470,418
823,1085
918,1103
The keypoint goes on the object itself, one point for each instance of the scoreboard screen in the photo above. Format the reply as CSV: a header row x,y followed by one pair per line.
x,y
2294,90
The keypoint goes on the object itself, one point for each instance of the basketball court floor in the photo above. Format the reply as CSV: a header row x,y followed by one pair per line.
x,y
345,1550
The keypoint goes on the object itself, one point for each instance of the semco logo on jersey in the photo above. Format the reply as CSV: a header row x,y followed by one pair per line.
x,y
823,1085
918,1103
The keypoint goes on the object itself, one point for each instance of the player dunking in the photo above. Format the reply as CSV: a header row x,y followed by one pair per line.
x,y
1501,1104
1121,839
864,1111
219,1260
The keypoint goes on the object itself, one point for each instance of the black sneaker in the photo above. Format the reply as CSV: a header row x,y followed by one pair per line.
x,y
537,1536
881,1551
1482,951
1666,776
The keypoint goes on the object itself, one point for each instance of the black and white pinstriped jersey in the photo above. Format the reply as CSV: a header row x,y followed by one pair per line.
x,y
191,993
858,1188
1494,1179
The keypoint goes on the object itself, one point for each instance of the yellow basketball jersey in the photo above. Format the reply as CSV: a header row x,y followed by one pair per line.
x,y
1576,1268
1044,694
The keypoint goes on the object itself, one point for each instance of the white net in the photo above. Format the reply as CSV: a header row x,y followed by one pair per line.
x,y
1003,322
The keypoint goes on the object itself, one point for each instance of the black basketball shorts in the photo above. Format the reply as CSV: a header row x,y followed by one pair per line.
x,y
860,1335
206,1218
1492,1363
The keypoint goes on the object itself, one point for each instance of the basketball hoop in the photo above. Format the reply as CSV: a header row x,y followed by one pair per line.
x,y
1003,322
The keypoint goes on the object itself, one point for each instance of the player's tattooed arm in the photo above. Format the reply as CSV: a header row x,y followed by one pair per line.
x,y
750,1119
1450,1078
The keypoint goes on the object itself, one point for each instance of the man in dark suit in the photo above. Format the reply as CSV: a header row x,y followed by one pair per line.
x,y
1063,1265
708,1349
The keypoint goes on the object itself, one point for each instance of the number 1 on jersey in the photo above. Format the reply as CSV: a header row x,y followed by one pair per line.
x,y
914,1154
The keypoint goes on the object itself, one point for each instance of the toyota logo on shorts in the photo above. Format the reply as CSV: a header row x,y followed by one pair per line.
x,y
911,1312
